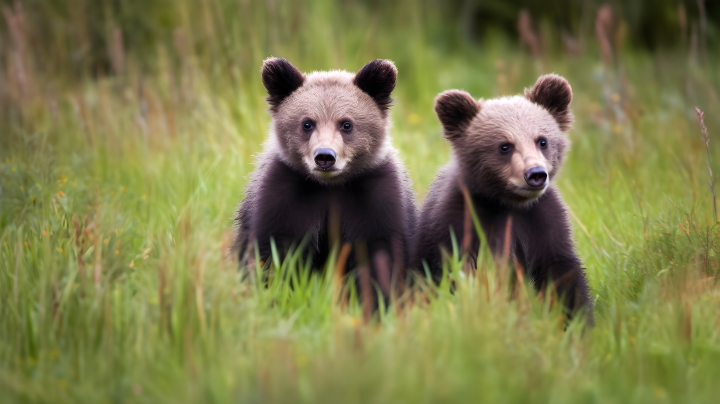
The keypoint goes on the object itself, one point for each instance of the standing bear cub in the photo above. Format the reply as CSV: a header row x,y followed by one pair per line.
x,y
506,153
328,163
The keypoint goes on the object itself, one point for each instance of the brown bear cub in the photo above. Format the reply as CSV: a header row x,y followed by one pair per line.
x,y
328,163
506,153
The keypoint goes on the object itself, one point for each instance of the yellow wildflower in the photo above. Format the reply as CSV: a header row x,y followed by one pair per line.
x,y
660,393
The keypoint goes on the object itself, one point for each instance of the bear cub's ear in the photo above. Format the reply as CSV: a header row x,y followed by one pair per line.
x,y
280,79
377,79
553,93
455,109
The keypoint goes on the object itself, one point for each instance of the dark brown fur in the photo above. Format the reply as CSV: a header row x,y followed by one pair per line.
x,y
541,237
378,80
554,95
455,109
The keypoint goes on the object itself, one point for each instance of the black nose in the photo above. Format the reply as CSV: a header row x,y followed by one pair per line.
x,y
536,177
325,158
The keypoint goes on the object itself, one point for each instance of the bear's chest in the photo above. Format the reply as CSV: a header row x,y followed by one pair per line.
x,y
359,210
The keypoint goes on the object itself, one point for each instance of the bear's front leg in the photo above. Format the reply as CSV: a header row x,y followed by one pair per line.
x,y
545,248
567,279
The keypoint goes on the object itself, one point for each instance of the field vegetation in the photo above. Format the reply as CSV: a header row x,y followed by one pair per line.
x,y
126,137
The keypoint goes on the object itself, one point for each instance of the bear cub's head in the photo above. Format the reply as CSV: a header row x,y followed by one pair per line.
x,y
331,125
509,149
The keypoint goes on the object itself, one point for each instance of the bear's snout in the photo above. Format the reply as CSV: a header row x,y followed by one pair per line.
x,y
325,158
536,177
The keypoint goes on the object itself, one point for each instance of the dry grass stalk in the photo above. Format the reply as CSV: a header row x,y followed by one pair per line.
x,y
682,20
694,42
467,227
382,264
366,294
199,296
183,49
18,57
142,116
484,278
80,250
340,271
570,43
584,229
225,250
687,323
97,263
502,261
703,29
162,282
528,36
117,52
82,118
507,240
519,290
706,138
188,350
603,31
467,233
399,265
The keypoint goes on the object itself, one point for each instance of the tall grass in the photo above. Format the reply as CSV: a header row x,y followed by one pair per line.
x,y
116,192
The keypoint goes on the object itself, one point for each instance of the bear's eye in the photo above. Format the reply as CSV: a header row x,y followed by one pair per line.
x,y
347,125
505,148
543,143
308,125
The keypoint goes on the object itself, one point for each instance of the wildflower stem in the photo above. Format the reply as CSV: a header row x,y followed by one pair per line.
x,y
703,128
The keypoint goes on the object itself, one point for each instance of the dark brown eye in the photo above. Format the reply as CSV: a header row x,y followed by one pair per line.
x,y
347,126
308,125
505,148
542,143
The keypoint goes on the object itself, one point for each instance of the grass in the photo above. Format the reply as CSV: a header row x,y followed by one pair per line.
x,y
116,194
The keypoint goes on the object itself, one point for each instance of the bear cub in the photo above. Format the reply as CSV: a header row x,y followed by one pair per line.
x,y
328,163
506,153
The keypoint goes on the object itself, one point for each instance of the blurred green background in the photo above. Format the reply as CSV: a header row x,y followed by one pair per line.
x,y
128,129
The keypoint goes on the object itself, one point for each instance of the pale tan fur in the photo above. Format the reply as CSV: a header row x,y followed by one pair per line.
x,y
521,123
478,130
329,99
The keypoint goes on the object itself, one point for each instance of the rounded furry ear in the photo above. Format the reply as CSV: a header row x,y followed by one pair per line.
x,y
377,79
280,79
553,93
455,109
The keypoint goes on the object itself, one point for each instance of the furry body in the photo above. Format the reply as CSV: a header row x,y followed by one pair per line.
x,y
292,196
497,147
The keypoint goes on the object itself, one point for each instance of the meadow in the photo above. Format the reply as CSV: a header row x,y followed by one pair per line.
x,y
118,185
